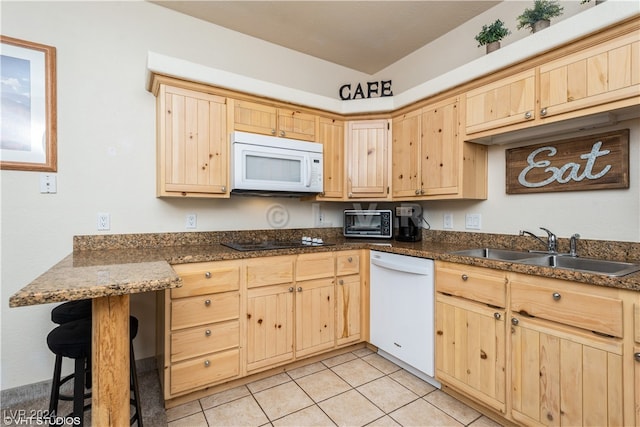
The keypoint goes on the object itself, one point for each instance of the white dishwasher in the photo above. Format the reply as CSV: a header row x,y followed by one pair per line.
x,y
402,311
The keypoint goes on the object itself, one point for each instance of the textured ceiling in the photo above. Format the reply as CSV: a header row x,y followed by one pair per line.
x,y
362,35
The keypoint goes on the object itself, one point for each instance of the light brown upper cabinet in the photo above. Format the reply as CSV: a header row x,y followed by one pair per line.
x,y
504,102
593,75
192,143
331,136
599,75
269,120
431,161
367,155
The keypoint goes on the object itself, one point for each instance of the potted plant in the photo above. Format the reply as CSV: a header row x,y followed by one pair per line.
x,y
491,34
538,18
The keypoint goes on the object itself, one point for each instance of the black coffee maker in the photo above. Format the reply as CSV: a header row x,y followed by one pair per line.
x,y
409,223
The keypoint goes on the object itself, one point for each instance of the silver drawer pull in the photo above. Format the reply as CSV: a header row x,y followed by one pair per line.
x,y
497,315
207,302
350,259
527,115
300,289
207,332
543,112
340,282
291,289
207,275
207,363
636,356
556,296
465,277
514,321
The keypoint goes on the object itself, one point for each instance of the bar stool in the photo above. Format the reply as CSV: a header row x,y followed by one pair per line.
x,y
73,340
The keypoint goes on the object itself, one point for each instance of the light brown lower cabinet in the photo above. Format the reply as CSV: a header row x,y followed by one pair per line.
x,y
235,318
570,347
564,376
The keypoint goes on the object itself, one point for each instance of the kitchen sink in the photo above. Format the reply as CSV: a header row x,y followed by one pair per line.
x,y
499,254
587,265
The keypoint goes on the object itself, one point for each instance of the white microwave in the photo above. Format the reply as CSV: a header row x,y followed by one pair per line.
x,y
264,164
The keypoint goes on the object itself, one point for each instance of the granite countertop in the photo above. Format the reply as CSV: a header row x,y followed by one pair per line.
x,y
101,271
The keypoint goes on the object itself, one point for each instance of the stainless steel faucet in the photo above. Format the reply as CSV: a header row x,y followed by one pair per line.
x,y
551,243
573,245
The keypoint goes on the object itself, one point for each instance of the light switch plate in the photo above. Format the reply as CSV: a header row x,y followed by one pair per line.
x,y
48,184
191,221
473,221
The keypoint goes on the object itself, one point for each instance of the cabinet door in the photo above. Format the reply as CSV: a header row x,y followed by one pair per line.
x,y
470,349
505,102
348,309
440,154
367,158
269,325
602,74
315,316
405,167
253,117
297,125
192,152
563,376
331,136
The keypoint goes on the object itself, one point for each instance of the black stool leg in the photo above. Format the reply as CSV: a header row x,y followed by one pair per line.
x,y
78,391
134,386
55,386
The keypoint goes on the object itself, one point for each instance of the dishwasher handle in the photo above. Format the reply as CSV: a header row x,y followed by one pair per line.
x,y
405,268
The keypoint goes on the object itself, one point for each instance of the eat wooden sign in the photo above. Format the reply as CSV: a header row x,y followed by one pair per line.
x,y
595,162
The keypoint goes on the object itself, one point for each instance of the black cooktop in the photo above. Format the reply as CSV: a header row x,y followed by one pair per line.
x,y
272,244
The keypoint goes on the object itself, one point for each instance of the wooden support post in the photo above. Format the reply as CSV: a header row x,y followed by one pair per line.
x,y
110,361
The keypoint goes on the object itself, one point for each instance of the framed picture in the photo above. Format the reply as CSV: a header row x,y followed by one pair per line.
x,y
28,113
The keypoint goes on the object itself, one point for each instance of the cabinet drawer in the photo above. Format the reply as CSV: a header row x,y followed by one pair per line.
x,y
474,283
347,263
314,266
201,310
209,369
557,301
206,278
270,271
204,339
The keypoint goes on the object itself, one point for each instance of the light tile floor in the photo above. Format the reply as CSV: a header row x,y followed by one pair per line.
x,y
359,388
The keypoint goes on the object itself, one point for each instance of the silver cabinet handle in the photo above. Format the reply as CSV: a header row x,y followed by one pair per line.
x,y
291,289
636,356
223,189
207,302
514,321
497,315
465,277
417,192
300,289
207,363
273,131
543,112
556,296
282,133
207,332
341,282
350,259
207,275
527,115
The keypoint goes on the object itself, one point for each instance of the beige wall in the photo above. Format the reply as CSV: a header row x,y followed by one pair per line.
x,y
106,151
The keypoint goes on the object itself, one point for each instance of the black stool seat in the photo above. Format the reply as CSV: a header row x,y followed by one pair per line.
x,y
73,339
71,310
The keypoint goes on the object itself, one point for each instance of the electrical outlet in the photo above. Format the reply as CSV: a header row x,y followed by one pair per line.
x,y
48,183
104,221
191,221
473,221
447,222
